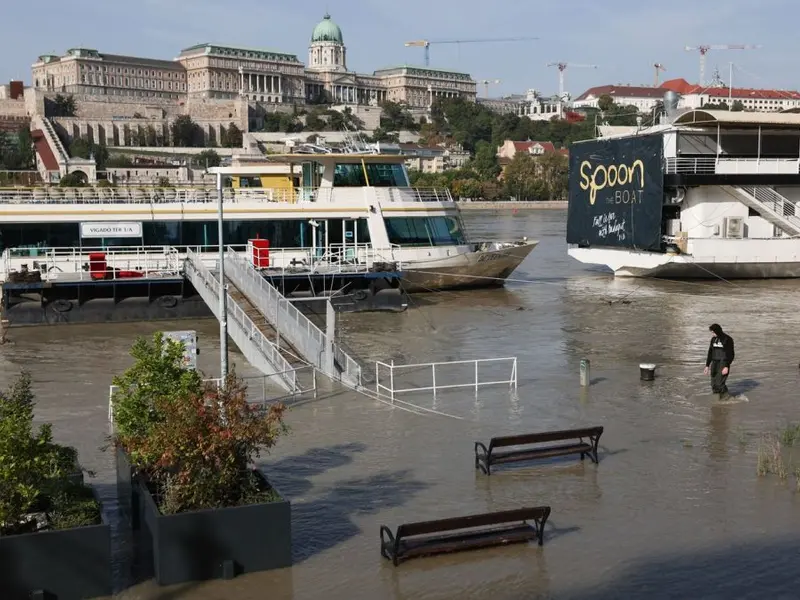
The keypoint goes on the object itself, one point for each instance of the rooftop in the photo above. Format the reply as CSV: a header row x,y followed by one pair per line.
x,y
738,118
419,69
684,87
242,52
626,91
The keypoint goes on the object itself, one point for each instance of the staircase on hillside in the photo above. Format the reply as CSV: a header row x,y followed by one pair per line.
x,y
771,205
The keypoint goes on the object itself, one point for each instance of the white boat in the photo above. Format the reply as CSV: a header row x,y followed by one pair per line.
x,y
316,210
706,194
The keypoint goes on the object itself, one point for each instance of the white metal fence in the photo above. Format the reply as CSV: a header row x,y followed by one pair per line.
x,y
391,373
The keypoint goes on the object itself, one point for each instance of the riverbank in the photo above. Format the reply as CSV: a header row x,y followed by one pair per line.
x,y
512,205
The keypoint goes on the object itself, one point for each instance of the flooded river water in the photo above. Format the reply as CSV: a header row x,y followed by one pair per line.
x,y
675,508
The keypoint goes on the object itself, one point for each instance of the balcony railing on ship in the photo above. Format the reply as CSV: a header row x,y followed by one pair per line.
x,y
153,195
720,165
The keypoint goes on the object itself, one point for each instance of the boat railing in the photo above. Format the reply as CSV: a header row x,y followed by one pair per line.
x,y
188,195
93,264
726,165
334,258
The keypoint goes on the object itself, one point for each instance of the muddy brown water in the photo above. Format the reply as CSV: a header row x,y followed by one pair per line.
x,y
675,508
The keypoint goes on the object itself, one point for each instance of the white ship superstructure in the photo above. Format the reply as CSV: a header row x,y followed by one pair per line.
x,y
706,194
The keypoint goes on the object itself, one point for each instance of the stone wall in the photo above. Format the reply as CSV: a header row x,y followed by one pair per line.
x,y
13,108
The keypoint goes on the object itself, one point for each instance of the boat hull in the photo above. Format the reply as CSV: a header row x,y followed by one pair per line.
x,y
479,269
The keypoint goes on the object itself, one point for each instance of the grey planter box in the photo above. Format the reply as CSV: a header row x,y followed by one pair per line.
x,y
219,543
68,564
127,491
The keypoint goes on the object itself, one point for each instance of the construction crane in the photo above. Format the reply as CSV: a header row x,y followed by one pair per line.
x,y
562,66
658,67
486,83
427,44
705,48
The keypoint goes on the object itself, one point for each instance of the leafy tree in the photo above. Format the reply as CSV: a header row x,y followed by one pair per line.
x,y
192,440
64,106
314,120
396,117
34,469
72,180
140,137
605,102
208,158
151,138
553,169
185,132
738,106
119,161
16,151
485,161
80,148
233,137
522,178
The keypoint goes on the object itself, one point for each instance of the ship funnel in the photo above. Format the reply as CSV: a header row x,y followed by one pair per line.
x,y
671,100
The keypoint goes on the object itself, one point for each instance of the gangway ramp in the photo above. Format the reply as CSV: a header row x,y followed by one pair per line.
x,y
308,340
260,351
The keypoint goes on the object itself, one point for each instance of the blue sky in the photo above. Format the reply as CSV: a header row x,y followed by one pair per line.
x,y
623,37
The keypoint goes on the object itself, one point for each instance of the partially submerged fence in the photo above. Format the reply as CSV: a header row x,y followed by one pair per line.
x,y
429,376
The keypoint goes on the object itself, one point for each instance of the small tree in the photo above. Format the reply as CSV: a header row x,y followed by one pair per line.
x,y
192,440
184,132
208,158
233,137
80,148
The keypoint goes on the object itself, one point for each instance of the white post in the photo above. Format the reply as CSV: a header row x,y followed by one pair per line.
x,y
391,381
433,368
377,379
330,332
277,322
476,378
223,312
730,88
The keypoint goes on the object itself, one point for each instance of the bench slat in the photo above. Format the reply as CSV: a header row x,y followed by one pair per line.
x,y
478,539
545,436
532,453
482,520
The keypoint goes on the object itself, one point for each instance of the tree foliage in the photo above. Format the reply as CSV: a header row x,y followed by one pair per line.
x,y
16,150
208,158
396,117
186,133
64,106
191,440
233,137
34,470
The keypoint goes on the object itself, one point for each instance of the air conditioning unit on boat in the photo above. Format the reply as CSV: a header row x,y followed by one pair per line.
x,y
734,227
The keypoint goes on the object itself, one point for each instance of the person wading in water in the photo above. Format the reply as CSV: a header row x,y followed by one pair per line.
x,y
719,359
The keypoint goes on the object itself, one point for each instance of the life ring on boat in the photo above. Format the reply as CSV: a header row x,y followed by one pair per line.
x,y
61,305
168,301
360,295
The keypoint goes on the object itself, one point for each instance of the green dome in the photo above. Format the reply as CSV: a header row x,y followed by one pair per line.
x,y
327,31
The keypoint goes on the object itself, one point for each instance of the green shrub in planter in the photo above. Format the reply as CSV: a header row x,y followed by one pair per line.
x,y
191,446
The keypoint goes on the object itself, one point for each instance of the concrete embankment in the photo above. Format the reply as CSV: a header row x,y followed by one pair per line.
x,y
511,205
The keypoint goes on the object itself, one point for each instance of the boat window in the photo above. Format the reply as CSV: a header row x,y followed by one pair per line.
x,y
424,231
379,174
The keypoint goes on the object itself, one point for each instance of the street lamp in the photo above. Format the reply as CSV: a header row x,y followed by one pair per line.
x,y
223,311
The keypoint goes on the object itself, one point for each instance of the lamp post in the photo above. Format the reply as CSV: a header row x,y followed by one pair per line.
x,y
223,311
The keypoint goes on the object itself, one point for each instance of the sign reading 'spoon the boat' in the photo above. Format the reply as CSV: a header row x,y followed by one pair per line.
x,y
129,229
616,190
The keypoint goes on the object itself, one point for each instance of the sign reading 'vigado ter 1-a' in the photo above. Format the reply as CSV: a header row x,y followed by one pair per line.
x,y
616,193
111,230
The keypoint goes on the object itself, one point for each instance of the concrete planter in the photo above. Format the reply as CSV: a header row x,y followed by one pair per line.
x,y
68,564
127,492
219,543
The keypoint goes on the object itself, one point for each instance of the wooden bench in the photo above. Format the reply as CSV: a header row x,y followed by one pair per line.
x,y
464,533
486,457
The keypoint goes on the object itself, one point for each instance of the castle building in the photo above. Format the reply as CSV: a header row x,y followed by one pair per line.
x,y
219,72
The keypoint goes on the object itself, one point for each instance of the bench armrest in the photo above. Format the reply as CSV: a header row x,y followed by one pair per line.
x,y
482,447
388,543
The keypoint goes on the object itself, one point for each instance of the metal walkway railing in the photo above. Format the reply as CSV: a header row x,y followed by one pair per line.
x,y
259,351
772,206
308,339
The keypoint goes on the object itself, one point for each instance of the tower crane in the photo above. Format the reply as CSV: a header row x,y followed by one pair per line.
x,y
562,66
427,43
703,49
658,67
486,83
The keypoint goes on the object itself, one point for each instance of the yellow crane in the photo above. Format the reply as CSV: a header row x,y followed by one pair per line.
x,y
427,43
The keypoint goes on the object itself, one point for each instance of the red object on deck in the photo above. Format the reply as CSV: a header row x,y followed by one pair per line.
x,y
97,265
129,274
260,253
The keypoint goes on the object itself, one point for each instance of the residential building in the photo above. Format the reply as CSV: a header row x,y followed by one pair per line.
x,y
508,150
645,98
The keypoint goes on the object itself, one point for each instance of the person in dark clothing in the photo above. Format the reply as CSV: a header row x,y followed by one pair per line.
x,y
719,359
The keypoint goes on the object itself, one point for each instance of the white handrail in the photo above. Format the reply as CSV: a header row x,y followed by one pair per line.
x,y
288,321
235,313
477,383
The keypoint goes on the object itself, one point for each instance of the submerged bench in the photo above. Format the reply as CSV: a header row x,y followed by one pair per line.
x,y
464,533
486,457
